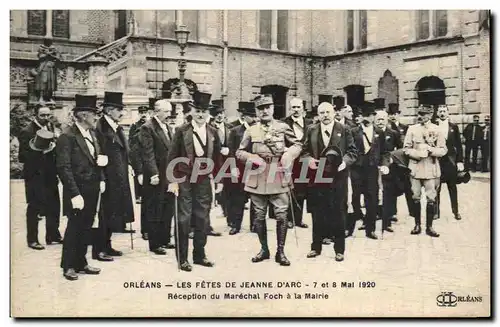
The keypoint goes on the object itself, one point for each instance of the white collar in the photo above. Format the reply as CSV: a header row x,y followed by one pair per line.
x,y
445,122
197,128
299,120
159,122
84,132
242,121
367,128
111,122
328,127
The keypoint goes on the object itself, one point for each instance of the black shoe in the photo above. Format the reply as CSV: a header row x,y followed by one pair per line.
x,y
327,241
185,266
138,201
302,225
362,227
261,256
372,235
431,232
159,251
204,262
394,219
458,217
213,233
281,259
89,270
234,231
313,254
36,246
290,224
436,216
104,257
389,229
70,274
128,231
169,246
145,236
339,257
416,230
114,253
56,241
191,235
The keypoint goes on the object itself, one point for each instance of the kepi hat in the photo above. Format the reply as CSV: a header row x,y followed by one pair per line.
x,y
263,100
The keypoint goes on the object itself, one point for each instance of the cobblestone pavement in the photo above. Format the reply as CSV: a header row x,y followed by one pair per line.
x,y
409,271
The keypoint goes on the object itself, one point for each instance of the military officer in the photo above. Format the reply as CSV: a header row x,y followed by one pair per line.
x,y
452,162
424,143
263,145
299,124
329,201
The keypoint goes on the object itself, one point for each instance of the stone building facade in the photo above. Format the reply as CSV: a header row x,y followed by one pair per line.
x,y
403,56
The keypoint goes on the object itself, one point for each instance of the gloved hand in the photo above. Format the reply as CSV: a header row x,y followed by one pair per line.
x,y
313,163
102,160
77,202
102,187
224,151
140,179
155,180
460,166
342,166
384,170
173,188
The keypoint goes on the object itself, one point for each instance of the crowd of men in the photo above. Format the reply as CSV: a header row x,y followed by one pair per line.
x,y
369,157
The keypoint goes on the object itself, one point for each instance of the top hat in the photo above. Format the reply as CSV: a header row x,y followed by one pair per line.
x,y
312,113
333,156
201,101
42,141
113,99
247,108
325,98
339,102
152,102
463,177
85,103
425,109
216,107
379,103
263,100
368,108
393,108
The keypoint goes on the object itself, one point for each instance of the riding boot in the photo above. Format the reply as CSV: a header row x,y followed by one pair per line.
x,y
281,230
431,210
417,211
261,230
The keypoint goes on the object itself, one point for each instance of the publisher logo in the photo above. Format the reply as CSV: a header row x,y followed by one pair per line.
x,y
446,299
449,299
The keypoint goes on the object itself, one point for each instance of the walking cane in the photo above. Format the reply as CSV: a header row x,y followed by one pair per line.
x,y
293,217
177,243
132,193
95,224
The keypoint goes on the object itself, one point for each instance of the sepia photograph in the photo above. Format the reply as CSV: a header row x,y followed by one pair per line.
x,y
258,163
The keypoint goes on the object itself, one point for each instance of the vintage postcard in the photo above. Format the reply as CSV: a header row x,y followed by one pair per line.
x,y
250,163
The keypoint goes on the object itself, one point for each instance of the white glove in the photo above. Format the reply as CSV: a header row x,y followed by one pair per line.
x,y
173,188
102,160
342,166
286,161
77,202
384,170
224,151
102,187
219,187
460,166
140,179
155,180
235,172
313,163
256,160
131,171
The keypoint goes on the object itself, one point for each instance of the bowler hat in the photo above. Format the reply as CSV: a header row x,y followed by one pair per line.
x,y
247,108
393,108
463,177
201,101
113,99
339,102
379,103
42,141
85,103
263,100
333,156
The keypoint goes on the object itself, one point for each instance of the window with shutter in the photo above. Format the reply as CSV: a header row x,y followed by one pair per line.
x,y
60,23
363,30
265,18
37,22
283,29
442,22
423,24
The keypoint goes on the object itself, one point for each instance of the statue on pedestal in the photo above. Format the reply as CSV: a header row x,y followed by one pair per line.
x,y
45,74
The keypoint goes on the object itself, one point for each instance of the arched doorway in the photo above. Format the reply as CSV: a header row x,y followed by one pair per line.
x,y
355,95
279,97
388,88
431,91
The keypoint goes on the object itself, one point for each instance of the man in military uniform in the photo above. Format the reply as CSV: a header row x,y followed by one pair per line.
x,y
452,162
299,125
424,143
237,195
263,145
329,201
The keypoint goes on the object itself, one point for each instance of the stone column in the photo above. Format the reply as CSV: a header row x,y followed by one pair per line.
x,y
356,30
292,30
274,29
432,24
49,23
97,75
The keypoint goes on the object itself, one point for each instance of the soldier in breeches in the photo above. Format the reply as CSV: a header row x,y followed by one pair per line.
x,y
272,146
424,143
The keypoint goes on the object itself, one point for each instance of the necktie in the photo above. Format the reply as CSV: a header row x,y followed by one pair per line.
x,y
327,138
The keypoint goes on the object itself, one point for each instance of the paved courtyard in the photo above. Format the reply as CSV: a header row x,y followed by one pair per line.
x,y
408,272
